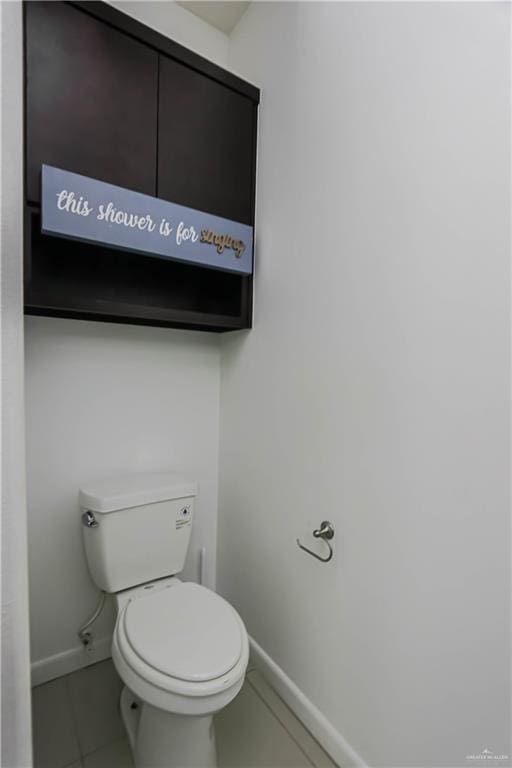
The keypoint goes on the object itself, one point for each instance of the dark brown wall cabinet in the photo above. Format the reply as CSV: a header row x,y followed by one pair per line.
x,y
110,98
205,144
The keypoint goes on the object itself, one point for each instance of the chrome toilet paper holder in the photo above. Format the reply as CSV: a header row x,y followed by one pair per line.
x,y
326,533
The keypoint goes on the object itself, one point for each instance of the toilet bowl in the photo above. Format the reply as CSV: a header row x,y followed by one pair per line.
x,y
180,649
182,652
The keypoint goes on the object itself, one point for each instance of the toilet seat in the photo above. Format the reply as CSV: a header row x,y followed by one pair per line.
x,y
182,649
188,633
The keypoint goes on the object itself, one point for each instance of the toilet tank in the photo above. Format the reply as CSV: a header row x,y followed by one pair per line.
x,y
136,528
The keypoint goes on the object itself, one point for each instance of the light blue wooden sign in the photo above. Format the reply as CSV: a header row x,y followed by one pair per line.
x,y
85,209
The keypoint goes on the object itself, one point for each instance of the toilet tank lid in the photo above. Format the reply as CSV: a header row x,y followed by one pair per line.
x,y
123,492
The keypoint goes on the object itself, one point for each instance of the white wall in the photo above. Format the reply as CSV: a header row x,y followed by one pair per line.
x,y
374,388
105,399
16,747
180,25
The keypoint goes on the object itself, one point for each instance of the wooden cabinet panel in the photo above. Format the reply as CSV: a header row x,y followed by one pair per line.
x,y
91,99
205,143
109,98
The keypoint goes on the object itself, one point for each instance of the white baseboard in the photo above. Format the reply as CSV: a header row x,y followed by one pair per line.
x,y
69,661
316,723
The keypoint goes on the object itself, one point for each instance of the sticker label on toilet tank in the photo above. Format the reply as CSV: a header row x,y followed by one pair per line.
x,y
184,517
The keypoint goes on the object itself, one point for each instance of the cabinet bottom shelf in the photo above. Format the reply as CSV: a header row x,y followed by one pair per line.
x,y
67,278
130,315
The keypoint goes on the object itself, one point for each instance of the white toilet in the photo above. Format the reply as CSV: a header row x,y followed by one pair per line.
x,y
180,649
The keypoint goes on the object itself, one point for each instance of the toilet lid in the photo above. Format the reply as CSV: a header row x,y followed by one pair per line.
x,y
187,632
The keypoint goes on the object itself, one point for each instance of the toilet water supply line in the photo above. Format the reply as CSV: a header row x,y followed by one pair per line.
x,y
83,633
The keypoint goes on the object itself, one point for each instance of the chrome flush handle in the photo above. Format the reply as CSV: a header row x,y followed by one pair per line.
x,y
89,520
326,533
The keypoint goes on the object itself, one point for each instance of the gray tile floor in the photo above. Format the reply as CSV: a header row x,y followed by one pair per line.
x,y
77,724
76,720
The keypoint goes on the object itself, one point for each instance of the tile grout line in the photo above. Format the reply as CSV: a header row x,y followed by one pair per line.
x,y
105,746
283,725
315,743
67,679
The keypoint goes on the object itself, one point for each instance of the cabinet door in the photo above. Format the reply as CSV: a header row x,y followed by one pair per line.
x,y
91,99
205,143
